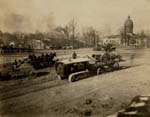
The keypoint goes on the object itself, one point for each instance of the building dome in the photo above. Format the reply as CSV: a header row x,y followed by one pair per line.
x,y
128,25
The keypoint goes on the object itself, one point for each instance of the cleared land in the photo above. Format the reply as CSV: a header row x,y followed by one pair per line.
x,y
96,96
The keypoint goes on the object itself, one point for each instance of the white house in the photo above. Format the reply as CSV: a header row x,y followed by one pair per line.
x,y
114,39
37,44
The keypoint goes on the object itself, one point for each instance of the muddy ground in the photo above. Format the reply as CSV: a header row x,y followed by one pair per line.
x,y
99,96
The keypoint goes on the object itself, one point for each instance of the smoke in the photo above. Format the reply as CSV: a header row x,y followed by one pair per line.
x,y
23,16
45,23
32,15
14,22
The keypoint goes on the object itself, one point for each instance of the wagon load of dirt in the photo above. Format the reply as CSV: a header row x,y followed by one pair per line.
x,y
107,56
16,69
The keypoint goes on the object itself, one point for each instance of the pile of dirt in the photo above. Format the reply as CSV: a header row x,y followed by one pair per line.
x,y
92,106
48,75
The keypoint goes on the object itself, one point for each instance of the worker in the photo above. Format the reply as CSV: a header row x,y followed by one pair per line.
x,y
74,55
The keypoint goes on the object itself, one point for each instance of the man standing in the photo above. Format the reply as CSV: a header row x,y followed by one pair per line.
x,y
74,55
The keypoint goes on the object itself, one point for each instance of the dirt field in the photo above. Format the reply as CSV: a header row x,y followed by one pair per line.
x,y
95,96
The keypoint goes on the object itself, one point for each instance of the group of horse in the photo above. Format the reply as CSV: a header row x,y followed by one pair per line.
x,y
42,61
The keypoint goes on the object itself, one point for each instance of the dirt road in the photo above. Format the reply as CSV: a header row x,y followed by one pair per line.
x,y
97,96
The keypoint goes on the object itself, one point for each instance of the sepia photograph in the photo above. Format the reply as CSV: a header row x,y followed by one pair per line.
x,y
74,58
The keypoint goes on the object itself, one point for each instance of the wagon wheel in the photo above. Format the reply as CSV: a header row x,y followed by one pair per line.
x,y
116,66
72,78
99,71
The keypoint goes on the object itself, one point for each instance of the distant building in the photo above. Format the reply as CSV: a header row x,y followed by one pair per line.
x,y
128,26
142,41
37,44
128,35
114,39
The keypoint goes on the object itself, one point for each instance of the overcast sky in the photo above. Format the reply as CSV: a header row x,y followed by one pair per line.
x,y
31,15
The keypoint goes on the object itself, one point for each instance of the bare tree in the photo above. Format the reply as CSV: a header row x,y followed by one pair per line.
x,y
73,28
69,31
122,34
91,36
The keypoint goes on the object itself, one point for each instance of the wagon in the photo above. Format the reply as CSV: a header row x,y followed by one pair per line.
x,y
109,60
8,71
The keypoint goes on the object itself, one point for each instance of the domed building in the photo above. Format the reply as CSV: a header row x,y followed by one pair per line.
x,y
128,26
128,32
